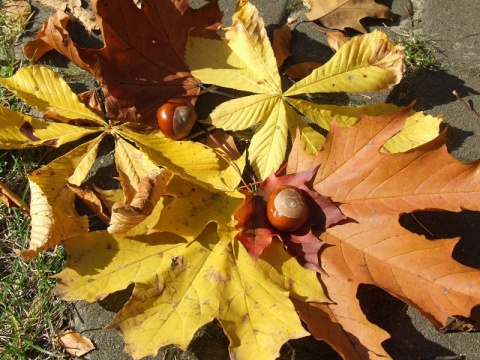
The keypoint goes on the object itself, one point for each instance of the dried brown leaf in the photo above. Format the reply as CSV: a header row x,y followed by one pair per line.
x,y
336,40
16,9
92,199
75,10
142,63
343,14
151,188
301,70
10,199
75,343
281,44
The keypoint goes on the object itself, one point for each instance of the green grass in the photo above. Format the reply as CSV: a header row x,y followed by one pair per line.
x,y
30,314
418,51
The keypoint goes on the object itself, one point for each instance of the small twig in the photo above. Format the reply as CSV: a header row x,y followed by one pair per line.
x,y
216,91
279,171
409,11
423,226
467,105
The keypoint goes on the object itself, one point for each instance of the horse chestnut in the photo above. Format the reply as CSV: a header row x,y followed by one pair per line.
x,y
175,118
287,209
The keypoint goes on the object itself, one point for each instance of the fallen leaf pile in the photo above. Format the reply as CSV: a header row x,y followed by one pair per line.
x,y
187,222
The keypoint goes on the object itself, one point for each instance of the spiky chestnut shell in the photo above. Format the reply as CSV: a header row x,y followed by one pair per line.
x,y
287,209
176,118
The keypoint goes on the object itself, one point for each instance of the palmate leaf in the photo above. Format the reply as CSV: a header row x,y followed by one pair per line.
x,y
52,186
180,287
42,88
244,60
374,189
141,65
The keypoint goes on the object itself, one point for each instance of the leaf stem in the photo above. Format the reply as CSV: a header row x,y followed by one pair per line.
x,y
227,152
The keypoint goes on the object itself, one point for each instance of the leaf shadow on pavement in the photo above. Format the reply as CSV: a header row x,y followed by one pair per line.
x,y
430,88
390,313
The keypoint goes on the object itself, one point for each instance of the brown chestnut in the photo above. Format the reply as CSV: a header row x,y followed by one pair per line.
x,y
175,118
287,209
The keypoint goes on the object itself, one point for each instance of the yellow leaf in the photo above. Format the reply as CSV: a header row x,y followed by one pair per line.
x,y
206,168
54,218
269,143
248,39
118,260
244,60
419,129
365,63
40,87
242,113
18,131
214,62
285,271
132,166
180,287
150,189
194,207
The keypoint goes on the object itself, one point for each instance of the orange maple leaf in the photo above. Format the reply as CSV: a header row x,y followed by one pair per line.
x,y
374,189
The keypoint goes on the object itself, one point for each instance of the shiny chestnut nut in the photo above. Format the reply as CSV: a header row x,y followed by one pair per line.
x,y
176,118
287,209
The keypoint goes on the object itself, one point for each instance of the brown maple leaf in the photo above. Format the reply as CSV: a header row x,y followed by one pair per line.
x,y
256,232
343,14
374,189
142,63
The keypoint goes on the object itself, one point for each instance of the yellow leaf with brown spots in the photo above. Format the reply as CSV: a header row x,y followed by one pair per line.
x,y
180,287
